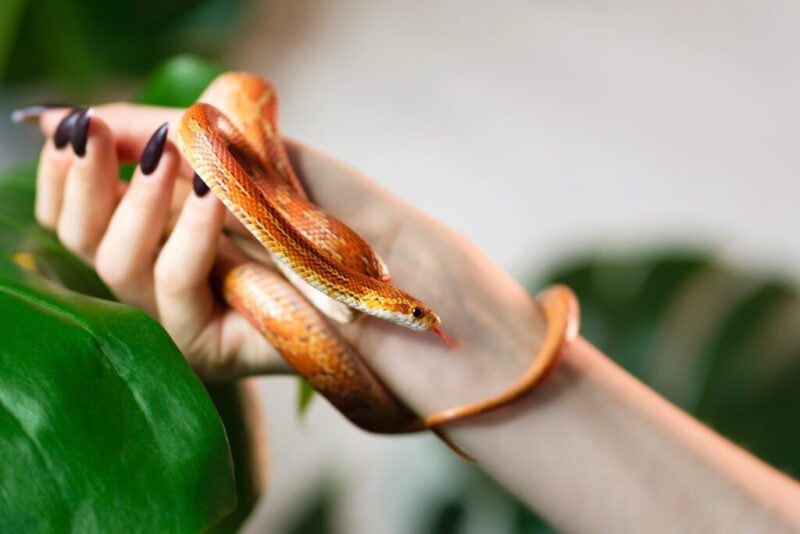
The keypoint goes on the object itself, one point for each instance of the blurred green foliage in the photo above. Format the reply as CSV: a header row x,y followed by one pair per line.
x,y
74,43
740,373
317,516
178,82
231,401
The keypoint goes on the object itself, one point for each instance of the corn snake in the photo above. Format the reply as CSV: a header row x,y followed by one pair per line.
x,y
231,140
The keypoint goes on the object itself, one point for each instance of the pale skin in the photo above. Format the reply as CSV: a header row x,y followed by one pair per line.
x,y
591,449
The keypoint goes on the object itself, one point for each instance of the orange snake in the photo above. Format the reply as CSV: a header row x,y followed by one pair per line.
x,y
231,140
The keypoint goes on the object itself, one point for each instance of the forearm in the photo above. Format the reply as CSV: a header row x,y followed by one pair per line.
x,y
592,449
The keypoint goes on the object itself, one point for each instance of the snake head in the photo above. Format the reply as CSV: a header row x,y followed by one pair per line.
x,y
398,307
421,318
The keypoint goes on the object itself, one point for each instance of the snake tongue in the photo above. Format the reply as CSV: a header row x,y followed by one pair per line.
x,y
449,342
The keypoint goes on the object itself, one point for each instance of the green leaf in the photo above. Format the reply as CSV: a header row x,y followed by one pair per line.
x,y
179,81
305,394
103,425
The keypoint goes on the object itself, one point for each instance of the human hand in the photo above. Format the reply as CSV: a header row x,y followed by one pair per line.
x,y
119,230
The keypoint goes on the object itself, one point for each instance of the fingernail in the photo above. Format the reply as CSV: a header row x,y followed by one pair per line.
x,y
32,113
64,129
80,132
199,186
152,152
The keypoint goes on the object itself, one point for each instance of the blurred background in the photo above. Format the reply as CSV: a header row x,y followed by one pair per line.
x,y
644,152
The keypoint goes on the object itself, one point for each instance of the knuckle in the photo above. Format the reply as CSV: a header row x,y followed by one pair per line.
x,y
137,200
205,362
168,277
113,108
111,272
79,243
44,218
193,222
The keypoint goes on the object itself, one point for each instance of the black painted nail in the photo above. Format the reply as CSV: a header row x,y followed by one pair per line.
x,y
199,186
151,154
32,113
64,129
80,133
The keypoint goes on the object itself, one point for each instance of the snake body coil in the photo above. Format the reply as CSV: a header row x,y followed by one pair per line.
x,y
231,140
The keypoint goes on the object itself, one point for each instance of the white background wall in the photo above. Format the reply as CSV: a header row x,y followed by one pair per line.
x,y
536,128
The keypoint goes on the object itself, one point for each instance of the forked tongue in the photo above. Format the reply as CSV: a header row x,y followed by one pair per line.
x,y
447,340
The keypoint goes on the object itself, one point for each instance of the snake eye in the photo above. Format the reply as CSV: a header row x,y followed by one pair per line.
x,y
416,312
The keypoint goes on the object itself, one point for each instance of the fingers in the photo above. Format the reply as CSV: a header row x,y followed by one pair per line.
x,y
183,294
54,162
219,343
339,189
120,231
90,187
50,177
132,125
127,253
